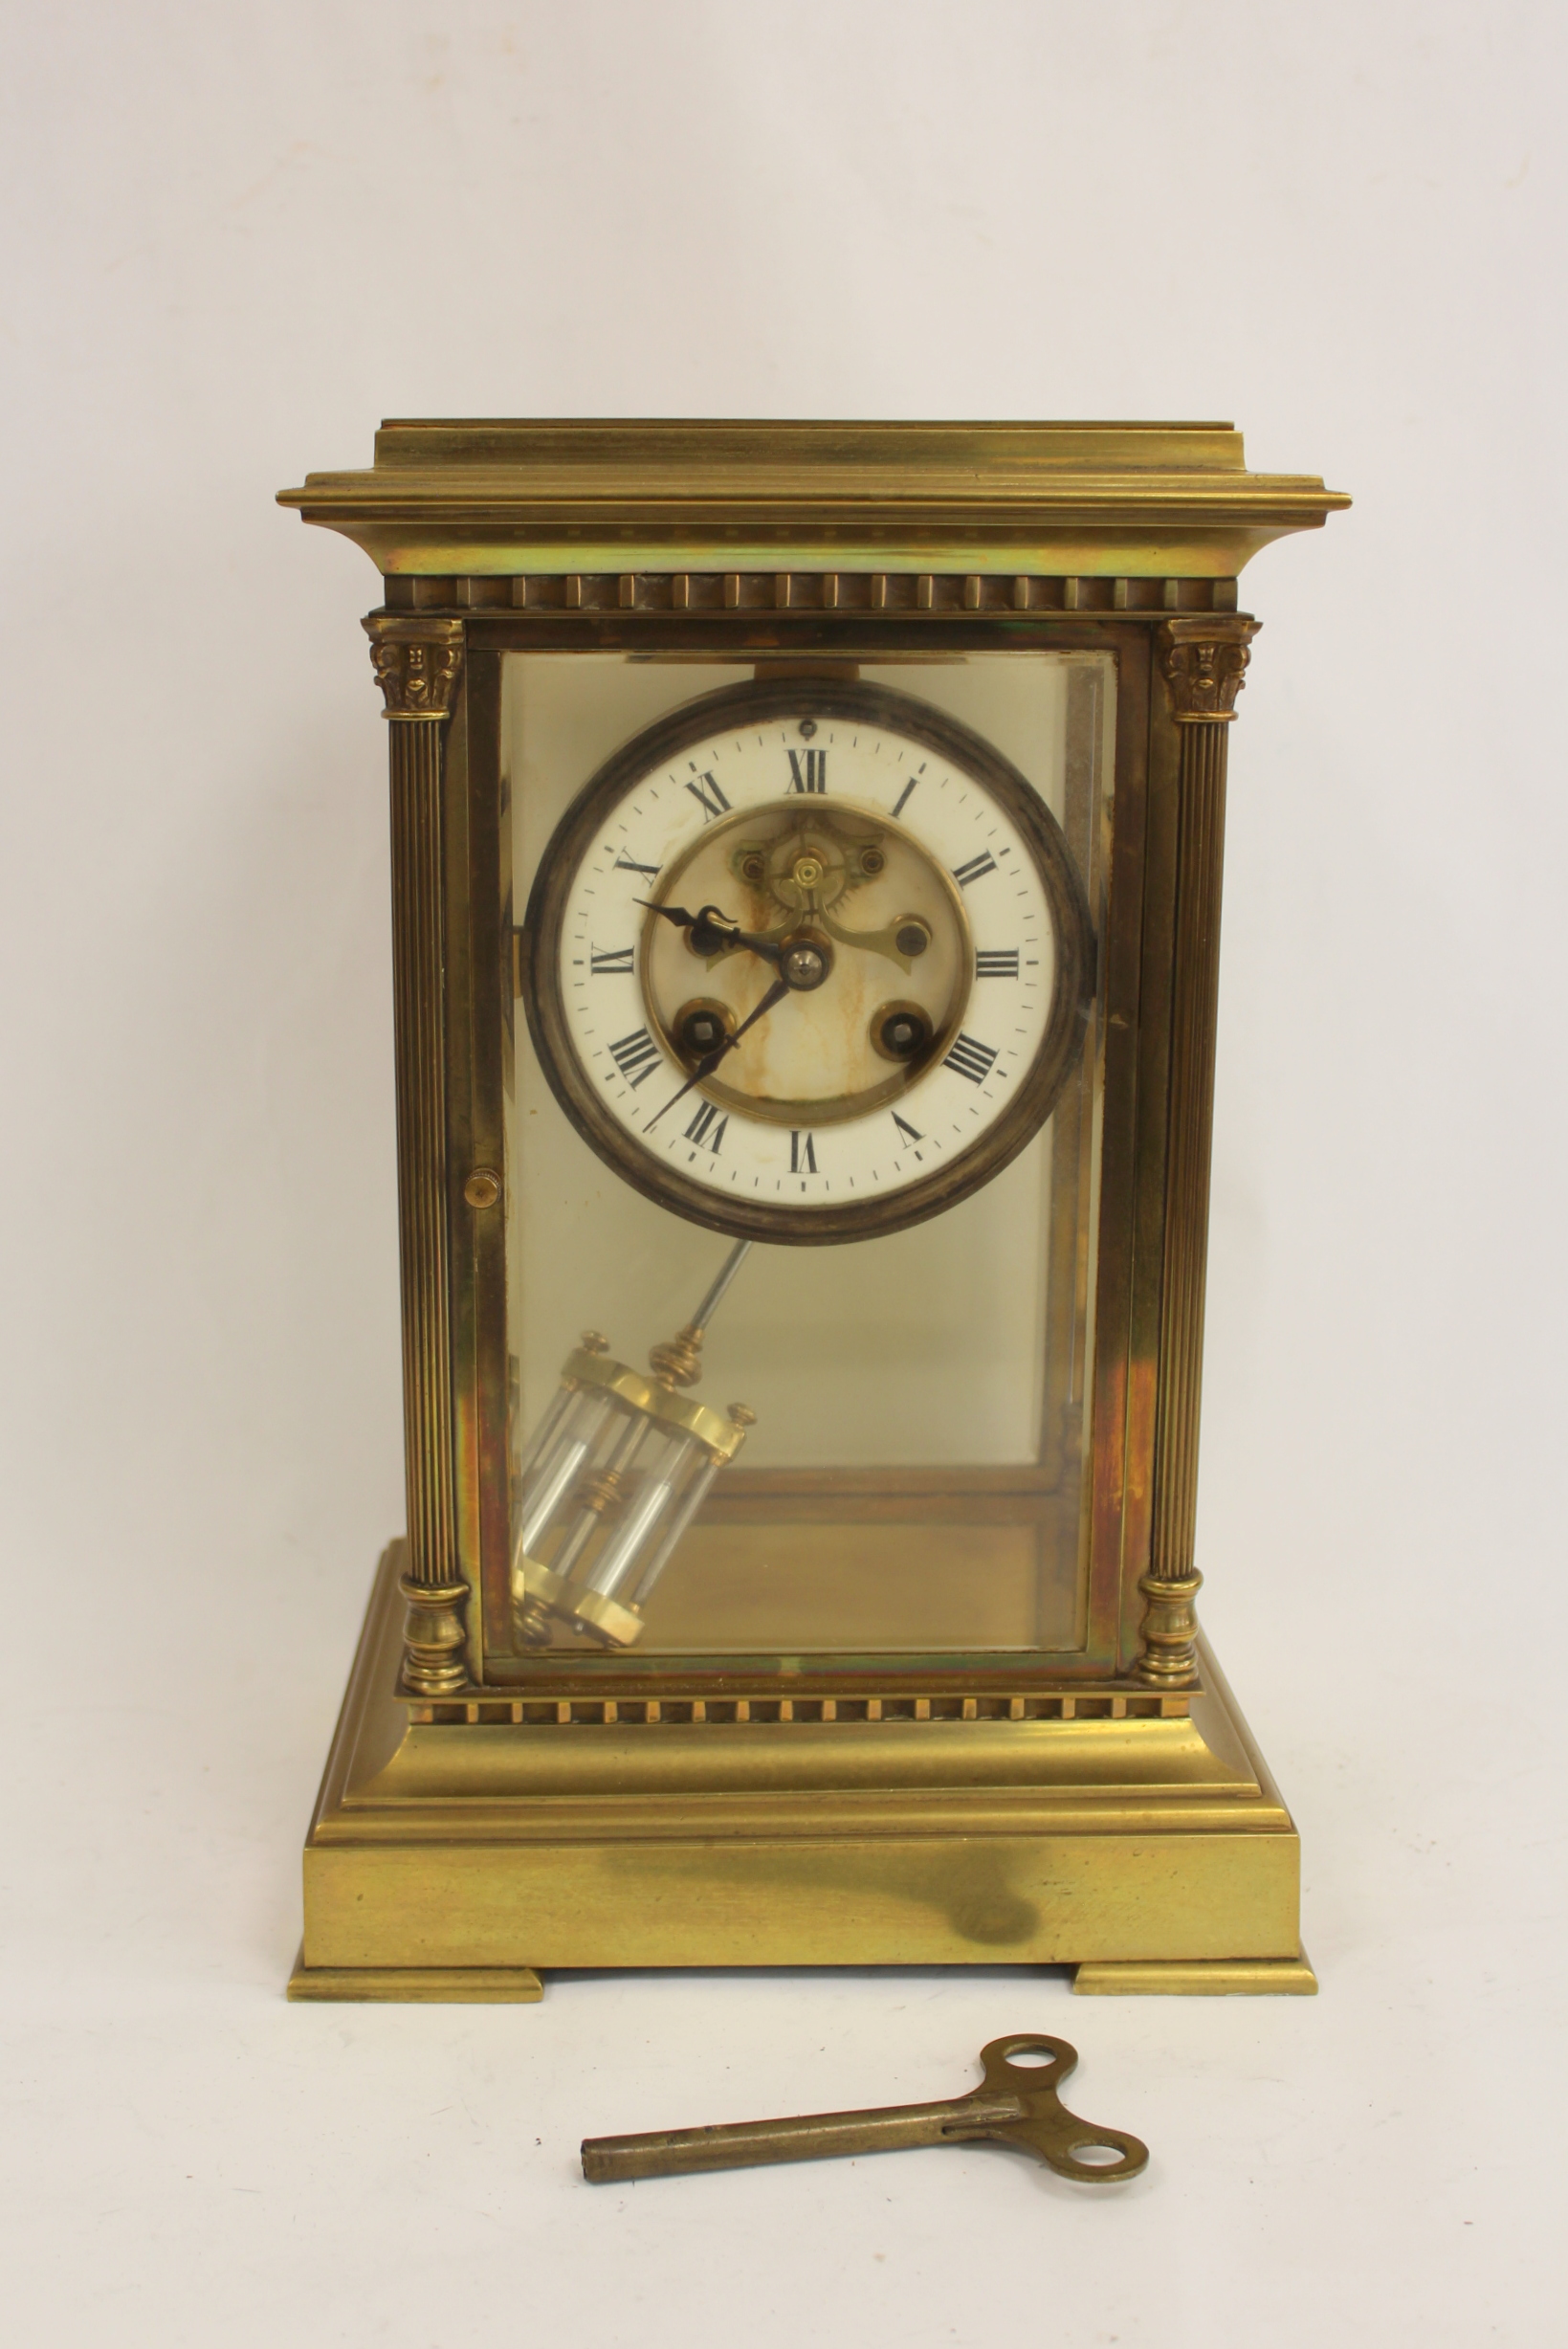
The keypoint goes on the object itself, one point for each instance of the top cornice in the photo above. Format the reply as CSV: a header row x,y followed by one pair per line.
x,y
498,498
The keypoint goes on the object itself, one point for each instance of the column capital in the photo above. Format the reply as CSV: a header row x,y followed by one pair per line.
x,y
417,660
1204,661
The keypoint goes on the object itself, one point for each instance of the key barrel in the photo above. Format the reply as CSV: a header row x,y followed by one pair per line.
x,y
814,2137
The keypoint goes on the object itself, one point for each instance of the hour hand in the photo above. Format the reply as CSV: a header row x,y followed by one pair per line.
x,y
712,931
714,934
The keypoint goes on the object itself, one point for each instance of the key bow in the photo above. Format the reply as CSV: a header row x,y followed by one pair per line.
x,y
1040,2122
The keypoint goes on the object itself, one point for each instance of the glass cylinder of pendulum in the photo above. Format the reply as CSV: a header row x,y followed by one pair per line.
x,y
614,1474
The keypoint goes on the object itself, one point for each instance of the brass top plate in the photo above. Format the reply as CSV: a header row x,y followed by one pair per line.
x,y
723,1437
501,497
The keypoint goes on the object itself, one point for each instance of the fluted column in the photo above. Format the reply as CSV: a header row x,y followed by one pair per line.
x,y
417,662
1204,661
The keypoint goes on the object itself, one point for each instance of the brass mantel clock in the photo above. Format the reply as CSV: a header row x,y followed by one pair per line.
x,y
806,863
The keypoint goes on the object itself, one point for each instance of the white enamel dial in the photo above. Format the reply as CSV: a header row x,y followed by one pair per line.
x,y
864,868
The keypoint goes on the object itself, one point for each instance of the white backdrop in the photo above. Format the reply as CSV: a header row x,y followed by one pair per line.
x,y
233,238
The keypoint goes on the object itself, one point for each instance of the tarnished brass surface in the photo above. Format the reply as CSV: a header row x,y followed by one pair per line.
x,y
1203,663
1093,1804
434,1636
723,1436
1168,1657
417,663
623,1625
1204,666
537,1596
769,1843
1016,2104
710,608
419,1985
1199,1978
677,1361
1086,824
622,496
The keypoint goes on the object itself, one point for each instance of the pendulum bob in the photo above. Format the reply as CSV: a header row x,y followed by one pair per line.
x,y
612,1478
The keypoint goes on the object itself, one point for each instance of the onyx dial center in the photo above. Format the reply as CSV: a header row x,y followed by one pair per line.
x,y
864,924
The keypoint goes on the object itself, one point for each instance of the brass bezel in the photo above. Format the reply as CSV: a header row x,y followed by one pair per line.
x,y
1037,1091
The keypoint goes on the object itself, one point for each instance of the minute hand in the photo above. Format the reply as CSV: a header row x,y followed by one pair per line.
x,y
710,1061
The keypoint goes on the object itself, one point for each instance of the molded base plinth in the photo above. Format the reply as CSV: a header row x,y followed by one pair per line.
x,y
455,1855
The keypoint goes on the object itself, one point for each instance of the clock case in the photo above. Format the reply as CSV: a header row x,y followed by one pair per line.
x,y
481,1821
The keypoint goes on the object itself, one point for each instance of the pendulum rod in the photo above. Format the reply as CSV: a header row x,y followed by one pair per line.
x,y
678,1362
715,1297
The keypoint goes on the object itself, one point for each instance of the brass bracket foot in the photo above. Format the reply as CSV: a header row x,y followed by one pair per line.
x,y
419,1985
1197,1978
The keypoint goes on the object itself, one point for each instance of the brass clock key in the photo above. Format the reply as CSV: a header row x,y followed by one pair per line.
x,y
1016,2104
